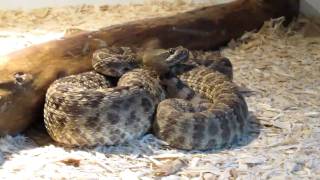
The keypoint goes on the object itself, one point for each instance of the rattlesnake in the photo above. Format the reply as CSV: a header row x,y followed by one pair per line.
x,y
203,109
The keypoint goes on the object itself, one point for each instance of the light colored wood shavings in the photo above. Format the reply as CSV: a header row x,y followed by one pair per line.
x,y
57,19
73,31
169,167
209,176
278,69
1,158
44,24
168,156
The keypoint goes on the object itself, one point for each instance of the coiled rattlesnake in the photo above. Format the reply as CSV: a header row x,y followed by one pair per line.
x,y
204,109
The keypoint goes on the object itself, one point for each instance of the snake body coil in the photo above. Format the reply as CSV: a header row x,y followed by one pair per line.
x,y
203,109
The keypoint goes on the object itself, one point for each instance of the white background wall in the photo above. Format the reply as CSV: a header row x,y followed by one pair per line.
x,y
310,7
29,4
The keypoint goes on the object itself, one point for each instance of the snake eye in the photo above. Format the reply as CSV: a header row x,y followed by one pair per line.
x,y
226,62
171,51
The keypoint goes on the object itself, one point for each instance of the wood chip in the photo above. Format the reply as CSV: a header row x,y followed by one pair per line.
x,y
170,167
71,162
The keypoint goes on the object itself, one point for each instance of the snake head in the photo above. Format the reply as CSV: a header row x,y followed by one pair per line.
x,y
177,55
161,60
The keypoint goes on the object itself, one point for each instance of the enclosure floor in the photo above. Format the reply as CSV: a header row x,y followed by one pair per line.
x,y
277,69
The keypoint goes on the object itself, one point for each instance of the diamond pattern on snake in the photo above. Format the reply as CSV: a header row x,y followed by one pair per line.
x,y
189,103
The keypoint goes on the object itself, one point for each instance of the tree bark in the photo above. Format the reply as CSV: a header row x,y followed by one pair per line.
x,y
26,74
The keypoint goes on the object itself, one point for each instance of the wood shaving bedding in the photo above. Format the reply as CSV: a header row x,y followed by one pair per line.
x,y
277,68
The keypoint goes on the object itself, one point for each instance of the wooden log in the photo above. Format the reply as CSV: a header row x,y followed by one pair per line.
x,y
26,74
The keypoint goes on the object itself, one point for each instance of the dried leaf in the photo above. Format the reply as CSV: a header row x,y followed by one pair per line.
x,y
71,162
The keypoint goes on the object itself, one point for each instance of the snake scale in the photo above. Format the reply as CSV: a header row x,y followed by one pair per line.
x,y
190,104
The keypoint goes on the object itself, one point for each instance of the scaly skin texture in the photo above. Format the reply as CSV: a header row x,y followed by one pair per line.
x,y
204,109
85,109
214,116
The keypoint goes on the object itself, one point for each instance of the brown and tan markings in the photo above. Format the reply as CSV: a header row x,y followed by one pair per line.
x,y
125,95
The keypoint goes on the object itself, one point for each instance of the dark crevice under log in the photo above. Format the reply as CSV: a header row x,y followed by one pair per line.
x,y
26,74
